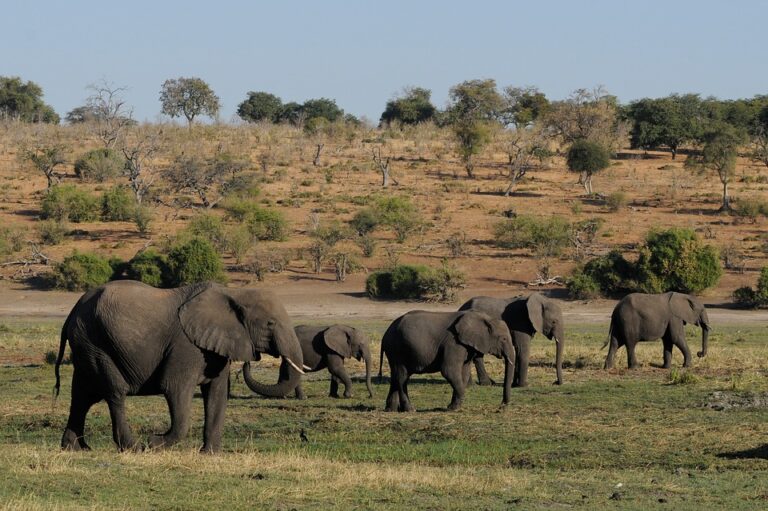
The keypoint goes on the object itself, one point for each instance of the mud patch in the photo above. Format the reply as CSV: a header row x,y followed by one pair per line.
x,y
728,400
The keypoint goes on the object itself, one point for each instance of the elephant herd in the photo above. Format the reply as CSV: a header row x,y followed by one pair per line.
x,y
130,339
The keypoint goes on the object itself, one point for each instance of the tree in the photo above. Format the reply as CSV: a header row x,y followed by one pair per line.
x,y
322,108
719,154
109,113
261,106
759,151
206,177
670,121
189,97
524,105
586,114
411,107
522,146
472,113
139,155
586,158
24,101
45,158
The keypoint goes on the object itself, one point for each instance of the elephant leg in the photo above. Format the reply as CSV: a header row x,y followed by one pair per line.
x,y
631,358
400,376
336,368
82,401
677,335
393,398
215,404
613,347
121,431
482,374
179,403
333,391
522,354
300,392
456,376
405,404
667,341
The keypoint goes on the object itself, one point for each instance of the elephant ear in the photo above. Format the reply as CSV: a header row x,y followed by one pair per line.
x,y
535,306
474,330
337,341
683,307
213,321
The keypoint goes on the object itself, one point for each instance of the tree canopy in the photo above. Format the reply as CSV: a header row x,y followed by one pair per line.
x,y
412,107
189,97
23,101
587,157
261,106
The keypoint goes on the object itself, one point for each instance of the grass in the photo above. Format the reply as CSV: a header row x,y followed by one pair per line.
x,y
620,439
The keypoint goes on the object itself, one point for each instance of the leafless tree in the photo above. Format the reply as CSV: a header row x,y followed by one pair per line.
x,y
206,177
383,165
523,146
587,114
139,159
110,113
316,159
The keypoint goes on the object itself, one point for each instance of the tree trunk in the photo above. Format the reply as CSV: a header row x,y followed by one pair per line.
x,y
726,199
316,159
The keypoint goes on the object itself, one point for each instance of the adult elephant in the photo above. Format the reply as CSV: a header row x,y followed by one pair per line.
x,y
646,317
524,316
428,342
130,339
327,347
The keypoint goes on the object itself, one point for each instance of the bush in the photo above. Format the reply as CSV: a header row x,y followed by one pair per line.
x,y
67,202
754,298
52,232
399,214
546,236
750,208
582,286
616,201
194,261
142,217
118,205
81,272
150,268
238,241
208,227
365,221
263,223
11,240
99,164
415,281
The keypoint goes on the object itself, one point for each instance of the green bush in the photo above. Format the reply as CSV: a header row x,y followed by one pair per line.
x,y
399,214
754,298
546,236
52,232
207,226
365,221
67,202
415,282
142,217
80,272
750,208
149,267
582,286
11,240
118,205
99,164
616,201
263,223
194,261
238,241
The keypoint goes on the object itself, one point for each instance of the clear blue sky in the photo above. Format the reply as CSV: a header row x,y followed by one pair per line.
x,y
362,52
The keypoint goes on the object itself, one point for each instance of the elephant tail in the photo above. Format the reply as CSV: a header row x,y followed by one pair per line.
x,y
60,357
608,341
381,361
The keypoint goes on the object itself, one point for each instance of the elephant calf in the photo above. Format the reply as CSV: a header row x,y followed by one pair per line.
x,y
647,317
427,342
327,347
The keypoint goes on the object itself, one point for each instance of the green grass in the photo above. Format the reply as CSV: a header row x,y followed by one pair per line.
x,y
620,439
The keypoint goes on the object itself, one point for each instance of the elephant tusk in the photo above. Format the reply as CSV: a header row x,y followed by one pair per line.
x,y
306,367
294,365
557,341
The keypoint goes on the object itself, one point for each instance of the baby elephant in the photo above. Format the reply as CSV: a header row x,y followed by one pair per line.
x,y
328,346
427,342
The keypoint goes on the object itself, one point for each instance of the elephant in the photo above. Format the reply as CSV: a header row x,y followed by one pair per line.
x,y
422,342
647,317
131,339
524,316
328,346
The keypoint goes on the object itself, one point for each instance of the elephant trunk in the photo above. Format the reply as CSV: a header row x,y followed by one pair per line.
x,y
704,340
289,349
508,354
367,358
559,345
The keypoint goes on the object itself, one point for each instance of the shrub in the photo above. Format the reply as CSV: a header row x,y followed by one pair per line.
x,y
546,236
142,217
263,223
206,226
117,205
750,208
415,281
149,267
331,233
238,241
52,232
681,377
399,214
365,221
99,164
11,240
367,245
81,272
616,201
582,286
194,261
754,298
67,202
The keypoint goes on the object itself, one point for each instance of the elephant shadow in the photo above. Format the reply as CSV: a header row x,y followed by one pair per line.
x,y
754,453
418,381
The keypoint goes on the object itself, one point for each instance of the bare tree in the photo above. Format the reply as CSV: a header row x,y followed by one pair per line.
x,y
523,146
207,178
45,158
139,158
587,114
383,165
316,158
110,113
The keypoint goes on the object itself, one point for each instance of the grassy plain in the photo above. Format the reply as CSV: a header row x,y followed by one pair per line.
x,y
620,439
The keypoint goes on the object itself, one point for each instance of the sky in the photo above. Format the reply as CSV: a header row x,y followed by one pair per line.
x,y
362,53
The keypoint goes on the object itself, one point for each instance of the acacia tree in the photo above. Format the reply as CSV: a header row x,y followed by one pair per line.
x,y
587,157
206,177
718,155
524,105
523,146
189,97
472,113
586,114
260,106
759,152
45,158
411,107
670,121
23,101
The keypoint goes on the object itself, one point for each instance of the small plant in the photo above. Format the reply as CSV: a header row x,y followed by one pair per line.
x,y
545,236
82,271
367,245
67,202
582,286
616,201
238,240
52,232
99,165
263,223
194,261
681,377
142,217
117,205
750,209
149,267
365,221
207,226
457,244
415,281
754,298
11,240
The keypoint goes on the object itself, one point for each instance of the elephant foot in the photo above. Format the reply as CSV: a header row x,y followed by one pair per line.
x,y
408,408
486,382
70,441
159,442
701,354
557,382
333,395
390,409
210,449
454,407
348,395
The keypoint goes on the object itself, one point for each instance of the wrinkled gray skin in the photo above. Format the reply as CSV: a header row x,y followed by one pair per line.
x,y
130,339
327,347
646,317
524,316
428,342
